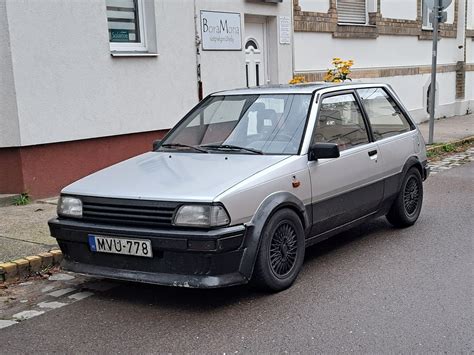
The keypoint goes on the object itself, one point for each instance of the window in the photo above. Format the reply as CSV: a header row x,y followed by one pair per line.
x,y
340,121
427,8
385,117
272,124
128,24
352,11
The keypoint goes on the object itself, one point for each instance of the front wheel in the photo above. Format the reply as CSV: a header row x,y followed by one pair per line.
x,y
407,206
281,252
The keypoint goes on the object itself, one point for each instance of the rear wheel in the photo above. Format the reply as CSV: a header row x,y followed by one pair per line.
x,y
407,206
281,252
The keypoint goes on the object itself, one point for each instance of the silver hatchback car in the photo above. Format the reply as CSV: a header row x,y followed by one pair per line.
x,y
243,184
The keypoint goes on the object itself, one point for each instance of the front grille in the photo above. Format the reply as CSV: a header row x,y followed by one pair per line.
x,y
128,212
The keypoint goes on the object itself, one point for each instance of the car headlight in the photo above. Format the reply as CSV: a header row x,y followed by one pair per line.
x,y
201,216
69,207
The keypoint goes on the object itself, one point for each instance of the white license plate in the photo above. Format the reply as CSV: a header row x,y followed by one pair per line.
x,y
114,245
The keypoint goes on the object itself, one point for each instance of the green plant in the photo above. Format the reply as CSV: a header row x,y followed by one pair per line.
x,y
22,199
448,147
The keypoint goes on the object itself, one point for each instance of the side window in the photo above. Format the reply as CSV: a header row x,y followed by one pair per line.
x,y
385,117
340,121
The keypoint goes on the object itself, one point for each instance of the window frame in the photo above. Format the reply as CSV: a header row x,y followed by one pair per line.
x,y
139,47
358,102
397,103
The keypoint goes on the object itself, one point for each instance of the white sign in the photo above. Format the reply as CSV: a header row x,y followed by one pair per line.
x,y
285,30
221,31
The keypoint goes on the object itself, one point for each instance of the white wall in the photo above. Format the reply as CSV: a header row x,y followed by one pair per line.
x,y
68,87
470,90
314,5
314,51
470,14
9,129
399,9
223,70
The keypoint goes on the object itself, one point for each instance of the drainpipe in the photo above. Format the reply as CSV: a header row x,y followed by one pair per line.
x,y
197,42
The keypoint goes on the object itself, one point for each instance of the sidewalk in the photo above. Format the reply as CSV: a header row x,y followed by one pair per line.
x,y
24,229
450,129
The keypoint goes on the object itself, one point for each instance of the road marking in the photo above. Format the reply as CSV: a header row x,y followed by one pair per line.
x,y
51,305
61,292
27,314
61,277
47,288
6,323
80,295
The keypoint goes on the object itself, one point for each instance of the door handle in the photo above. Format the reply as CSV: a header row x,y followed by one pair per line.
x,y
372,152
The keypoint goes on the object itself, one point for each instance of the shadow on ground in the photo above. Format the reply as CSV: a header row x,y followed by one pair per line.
x,y
203,300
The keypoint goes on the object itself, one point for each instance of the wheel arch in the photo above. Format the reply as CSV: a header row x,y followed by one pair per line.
x,y
412,162
272,203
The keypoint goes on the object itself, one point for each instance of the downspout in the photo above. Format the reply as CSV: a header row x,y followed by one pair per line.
x,y
197,43
292,39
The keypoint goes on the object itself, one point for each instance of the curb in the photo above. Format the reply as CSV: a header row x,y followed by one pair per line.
x,y
438,147
23,268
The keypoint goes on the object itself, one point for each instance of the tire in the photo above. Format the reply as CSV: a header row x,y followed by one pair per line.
x,y
281,253
407,206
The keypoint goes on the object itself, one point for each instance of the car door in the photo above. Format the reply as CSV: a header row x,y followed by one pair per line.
x,y
394,133
347,188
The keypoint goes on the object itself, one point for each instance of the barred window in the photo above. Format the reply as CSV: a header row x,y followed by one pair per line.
x,y
352,11
126,23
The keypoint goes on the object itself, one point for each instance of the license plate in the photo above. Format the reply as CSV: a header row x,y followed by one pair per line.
x,y
114,245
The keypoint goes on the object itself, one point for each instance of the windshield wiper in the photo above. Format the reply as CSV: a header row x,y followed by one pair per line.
x,y
180,145
231,147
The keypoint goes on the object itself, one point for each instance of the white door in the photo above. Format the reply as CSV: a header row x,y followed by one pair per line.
x,y
255,68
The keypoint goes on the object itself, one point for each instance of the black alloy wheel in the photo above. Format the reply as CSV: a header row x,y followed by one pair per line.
x,y
406,208
281,252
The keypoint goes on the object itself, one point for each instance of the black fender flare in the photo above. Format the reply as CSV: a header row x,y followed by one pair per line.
x,y
267,208
411,162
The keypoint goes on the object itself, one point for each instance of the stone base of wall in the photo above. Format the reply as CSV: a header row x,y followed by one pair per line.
x,y
43,170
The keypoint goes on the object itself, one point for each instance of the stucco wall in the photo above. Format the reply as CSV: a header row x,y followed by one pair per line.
x,y
314,5
399,9
223,69
9,129
470,14
314,51
68,87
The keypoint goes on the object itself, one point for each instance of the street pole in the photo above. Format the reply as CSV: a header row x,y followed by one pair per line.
x,y
436,10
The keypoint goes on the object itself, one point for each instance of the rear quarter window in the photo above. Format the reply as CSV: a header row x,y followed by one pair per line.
x,y
385,116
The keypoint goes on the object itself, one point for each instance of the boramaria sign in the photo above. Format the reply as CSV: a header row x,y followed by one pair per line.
x,y
221,31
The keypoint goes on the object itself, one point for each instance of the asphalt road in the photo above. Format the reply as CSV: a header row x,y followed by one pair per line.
x,y
374,289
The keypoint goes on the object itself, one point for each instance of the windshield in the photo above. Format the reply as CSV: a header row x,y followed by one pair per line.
x,y
245,124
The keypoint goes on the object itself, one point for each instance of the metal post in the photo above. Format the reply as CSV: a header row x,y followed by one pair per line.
x,y
436,10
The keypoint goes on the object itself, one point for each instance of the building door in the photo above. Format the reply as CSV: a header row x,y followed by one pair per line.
x,y
255,55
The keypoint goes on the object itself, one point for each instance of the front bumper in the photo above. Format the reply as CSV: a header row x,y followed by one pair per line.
x,y
187,258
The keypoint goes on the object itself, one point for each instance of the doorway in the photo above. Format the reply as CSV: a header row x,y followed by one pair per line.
x,y
255,51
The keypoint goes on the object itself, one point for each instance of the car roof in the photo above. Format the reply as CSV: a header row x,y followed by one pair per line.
x,y
307,88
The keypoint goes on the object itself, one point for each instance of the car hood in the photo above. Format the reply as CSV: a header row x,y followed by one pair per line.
x,y
172,176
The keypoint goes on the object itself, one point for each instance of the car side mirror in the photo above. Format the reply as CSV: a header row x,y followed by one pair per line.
x,y
323,151
156,144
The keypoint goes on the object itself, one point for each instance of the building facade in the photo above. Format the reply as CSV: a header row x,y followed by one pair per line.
x,y
85,84
391,41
